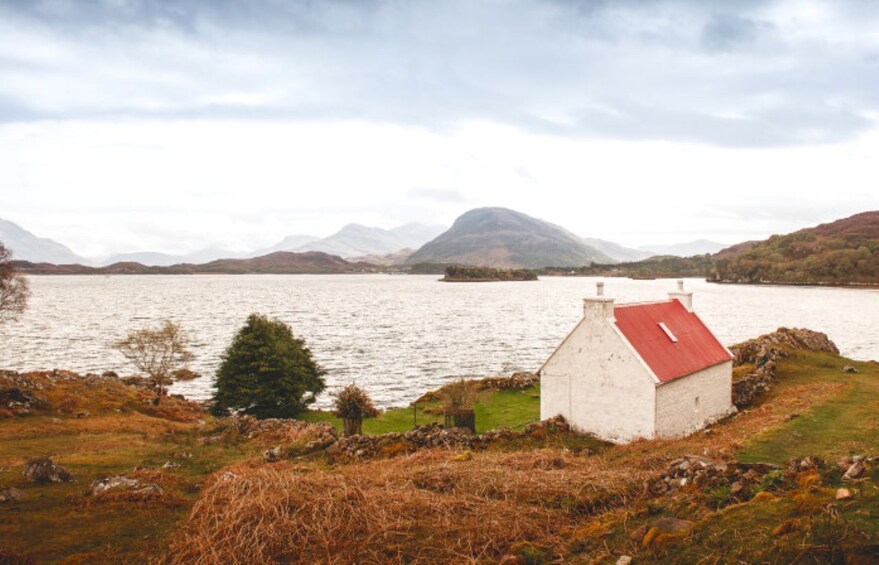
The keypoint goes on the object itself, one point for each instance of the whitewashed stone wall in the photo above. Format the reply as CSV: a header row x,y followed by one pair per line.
x,y
598,384
690,403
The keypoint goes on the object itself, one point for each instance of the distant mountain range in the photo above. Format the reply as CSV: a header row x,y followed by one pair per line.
x,y
27,246
492,237
355,240
352,241
499,237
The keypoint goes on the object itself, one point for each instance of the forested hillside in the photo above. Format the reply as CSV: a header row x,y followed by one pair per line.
x,y
841,252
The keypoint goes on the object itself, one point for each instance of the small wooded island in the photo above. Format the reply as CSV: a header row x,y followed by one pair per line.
x,y
460,273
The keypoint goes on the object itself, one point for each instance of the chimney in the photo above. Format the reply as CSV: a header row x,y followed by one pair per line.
x,y
685,298
599,307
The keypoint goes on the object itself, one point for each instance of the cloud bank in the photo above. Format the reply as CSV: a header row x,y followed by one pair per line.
x,y
733,73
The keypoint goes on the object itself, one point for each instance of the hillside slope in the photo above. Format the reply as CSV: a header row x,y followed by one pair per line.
x,y
842,252
498,237
616,251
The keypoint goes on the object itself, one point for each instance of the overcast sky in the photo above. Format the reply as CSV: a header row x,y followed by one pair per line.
x,y
171,126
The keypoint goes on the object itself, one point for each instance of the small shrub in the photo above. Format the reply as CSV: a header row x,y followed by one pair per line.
x,y
458,396
770,481
720,497
353,402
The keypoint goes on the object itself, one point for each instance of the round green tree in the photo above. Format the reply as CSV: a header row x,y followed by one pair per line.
x,y
267,372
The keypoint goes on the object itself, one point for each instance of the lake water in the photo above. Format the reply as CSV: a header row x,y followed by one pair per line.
x,y
397,336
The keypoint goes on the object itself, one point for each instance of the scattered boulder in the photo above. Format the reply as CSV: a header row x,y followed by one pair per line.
x,y
10,494
272,455
849,369
843,494
624,560
122,483
856,470
665,528
101,486
43,470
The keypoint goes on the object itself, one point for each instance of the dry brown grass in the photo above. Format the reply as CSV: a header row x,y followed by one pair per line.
x,y
425,507
418,508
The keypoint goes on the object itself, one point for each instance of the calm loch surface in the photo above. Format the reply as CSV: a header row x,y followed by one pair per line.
x,y
397,336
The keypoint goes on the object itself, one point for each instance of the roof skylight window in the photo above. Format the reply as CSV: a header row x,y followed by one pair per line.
x,y
668,332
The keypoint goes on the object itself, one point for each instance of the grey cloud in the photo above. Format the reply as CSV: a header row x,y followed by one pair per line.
x,y
724,32
716,73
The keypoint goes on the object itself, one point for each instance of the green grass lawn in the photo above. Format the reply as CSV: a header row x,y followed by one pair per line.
x,y
512,409
845,424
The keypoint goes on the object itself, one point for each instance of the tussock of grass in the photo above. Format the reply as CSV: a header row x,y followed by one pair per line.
x,y
418,507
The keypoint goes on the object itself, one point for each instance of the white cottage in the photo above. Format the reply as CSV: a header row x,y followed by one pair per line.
x,y
642,370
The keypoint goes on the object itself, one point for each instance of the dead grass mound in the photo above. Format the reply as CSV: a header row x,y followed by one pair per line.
x,y
426,507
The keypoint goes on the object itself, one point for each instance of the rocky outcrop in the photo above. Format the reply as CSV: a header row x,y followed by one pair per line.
x,y
763,352
20,402
705,473
728,481
43,470
779,344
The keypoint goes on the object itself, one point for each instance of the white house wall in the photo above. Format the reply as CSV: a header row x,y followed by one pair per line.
x,y
596,382
690,403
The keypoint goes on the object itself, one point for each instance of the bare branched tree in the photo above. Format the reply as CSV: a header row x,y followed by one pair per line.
x,y
159,352
14,289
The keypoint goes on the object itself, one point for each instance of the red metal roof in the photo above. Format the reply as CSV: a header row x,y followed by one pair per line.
x,y
695,349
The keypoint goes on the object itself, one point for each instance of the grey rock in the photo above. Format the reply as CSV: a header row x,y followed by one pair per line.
x,y
272,455
855,471
43,470
10,494
102,486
